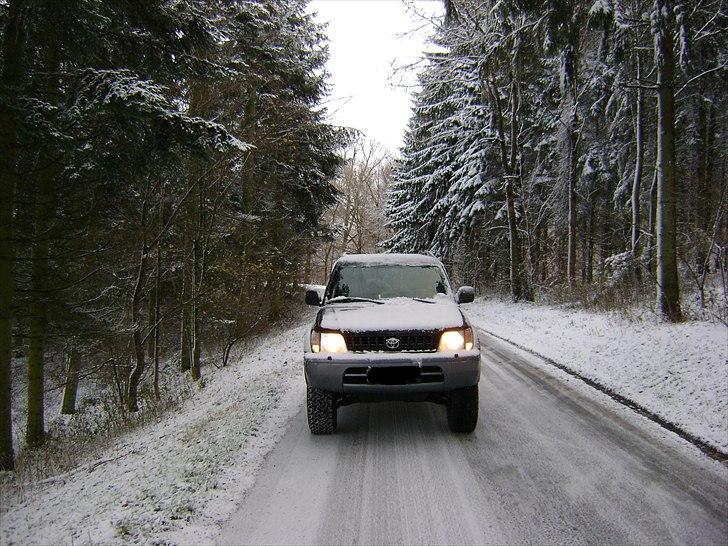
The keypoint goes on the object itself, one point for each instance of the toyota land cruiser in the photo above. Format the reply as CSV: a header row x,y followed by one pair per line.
x,y
389,328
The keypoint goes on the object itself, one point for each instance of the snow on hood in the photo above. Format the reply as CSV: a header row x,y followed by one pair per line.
x,y
401,314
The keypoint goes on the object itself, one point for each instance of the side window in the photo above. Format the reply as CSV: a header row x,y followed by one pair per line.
x,y
333,283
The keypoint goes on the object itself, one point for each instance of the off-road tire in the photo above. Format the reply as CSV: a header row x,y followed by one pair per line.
x,y
462,409
321,410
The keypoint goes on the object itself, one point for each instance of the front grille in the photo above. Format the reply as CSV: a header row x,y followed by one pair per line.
x,y
377,341
396,375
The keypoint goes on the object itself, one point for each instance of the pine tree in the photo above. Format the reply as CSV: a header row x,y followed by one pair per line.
x,y
120,165
534,120
11,78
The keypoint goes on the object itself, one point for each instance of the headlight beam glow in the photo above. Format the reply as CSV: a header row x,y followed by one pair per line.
x,y
452,340
456,340
332,342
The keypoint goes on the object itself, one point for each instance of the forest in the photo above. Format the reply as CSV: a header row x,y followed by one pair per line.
x,y
573,149
168,177
163,169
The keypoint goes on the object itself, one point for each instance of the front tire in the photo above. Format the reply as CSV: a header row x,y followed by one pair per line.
x,y
321,410
462,409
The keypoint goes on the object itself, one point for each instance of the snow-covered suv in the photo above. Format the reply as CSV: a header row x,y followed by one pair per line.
x,y
390,328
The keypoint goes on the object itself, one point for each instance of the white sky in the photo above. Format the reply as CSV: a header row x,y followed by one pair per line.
x,y
368,40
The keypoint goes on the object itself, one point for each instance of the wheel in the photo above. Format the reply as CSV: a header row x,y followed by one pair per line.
x,y
321,410
462,409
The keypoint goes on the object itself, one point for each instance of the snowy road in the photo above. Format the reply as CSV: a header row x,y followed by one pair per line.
x,y
550,462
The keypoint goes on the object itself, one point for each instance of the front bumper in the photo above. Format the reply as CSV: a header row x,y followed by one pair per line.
x,y
327,371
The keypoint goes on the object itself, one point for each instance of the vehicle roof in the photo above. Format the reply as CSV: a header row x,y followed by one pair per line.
x,y
384,259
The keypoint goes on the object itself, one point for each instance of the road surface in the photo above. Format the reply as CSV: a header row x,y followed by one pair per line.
x,y
550,462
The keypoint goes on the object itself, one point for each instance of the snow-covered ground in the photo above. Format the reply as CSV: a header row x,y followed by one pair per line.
x,y
177,480
677,371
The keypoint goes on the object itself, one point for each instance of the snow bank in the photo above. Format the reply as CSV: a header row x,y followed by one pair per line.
x,y
678,371
177,480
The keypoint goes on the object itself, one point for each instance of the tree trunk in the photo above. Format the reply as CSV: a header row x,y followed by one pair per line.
x,y
188,276
195,322
190,342
637,180
185,335
572,213
650,250
46,187
154,301
668,288
514,245
535,254
120,379
511,171
589,245
71,388
37,321
135,376
12,74
518,288
569,153
711,196
151,306
157,324
543,258
7,281
592,245
197,279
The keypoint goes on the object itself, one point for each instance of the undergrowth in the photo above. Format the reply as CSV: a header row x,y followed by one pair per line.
x,y
629,297
84,438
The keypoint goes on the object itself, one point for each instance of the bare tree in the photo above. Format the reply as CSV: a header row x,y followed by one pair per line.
x,y
357,217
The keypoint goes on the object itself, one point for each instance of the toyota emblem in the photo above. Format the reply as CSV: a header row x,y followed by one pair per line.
x,y
392,343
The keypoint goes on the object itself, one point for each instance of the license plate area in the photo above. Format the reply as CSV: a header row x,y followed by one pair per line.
x,y
393,375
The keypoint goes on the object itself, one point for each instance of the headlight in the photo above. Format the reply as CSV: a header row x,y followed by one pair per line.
x,y
456,340
327,342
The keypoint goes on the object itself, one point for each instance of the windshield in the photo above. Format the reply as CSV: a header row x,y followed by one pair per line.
x,y
387,281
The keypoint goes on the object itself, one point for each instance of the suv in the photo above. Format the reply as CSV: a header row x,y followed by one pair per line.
x,y
389,328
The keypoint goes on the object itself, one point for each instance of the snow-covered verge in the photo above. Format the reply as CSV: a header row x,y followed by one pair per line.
x,y
677,371
176,480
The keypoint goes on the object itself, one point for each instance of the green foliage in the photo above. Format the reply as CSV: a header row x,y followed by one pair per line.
x,y
567,72
160,125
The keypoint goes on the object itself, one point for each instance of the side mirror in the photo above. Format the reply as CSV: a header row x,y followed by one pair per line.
x,y
465,294
312,297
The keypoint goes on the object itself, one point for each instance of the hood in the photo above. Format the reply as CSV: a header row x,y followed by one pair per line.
x,y
391,316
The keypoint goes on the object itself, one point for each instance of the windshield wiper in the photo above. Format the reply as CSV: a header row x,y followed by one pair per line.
x,y
423,300
347,299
